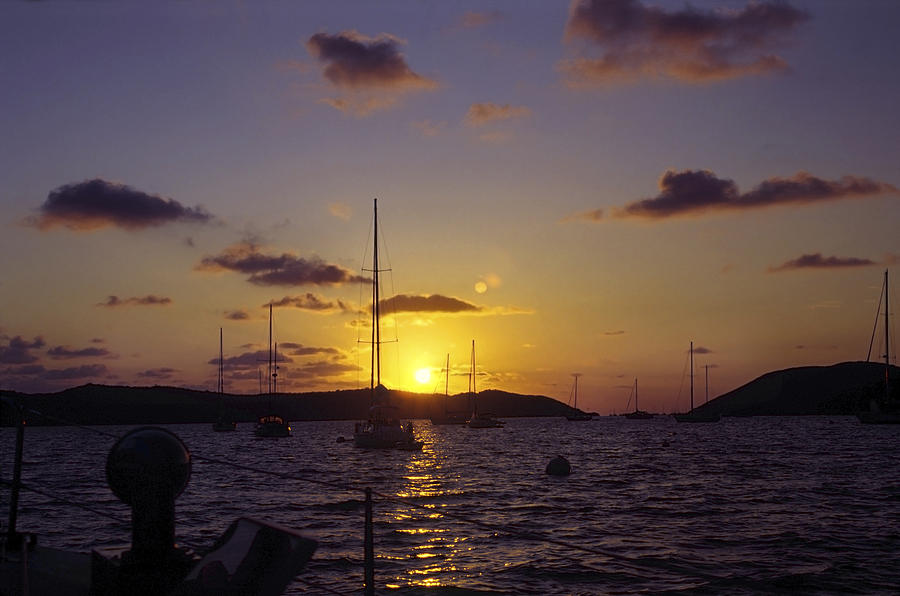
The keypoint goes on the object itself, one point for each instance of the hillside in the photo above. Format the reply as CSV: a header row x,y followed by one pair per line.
x,y
843,389
104,404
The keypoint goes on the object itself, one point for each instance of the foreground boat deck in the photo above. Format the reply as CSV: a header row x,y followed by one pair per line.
x,y
50,571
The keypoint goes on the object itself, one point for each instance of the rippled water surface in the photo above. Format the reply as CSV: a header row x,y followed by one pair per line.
x,y
747,505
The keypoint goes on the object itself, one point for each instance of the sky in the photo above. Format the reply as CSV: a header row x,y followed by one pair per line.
x,y
582,187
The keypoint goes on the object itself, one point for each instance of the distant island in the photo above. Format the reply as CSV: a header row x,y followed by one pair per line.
x,y
839,389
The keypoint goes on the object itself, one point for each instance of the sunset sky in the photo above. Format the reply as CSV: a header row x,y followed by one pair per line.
x,y
581,187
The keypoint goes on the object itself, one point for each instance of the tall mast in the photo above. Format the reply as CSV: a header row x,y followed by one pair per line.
x,y
376,310
269,362
575,402
275,370
692,376
706,367
221,383
887,349
447,378
635,395
472,390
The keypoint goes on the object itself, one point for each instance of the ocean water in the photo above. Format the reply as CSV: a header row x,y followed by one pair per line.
x,y
745,506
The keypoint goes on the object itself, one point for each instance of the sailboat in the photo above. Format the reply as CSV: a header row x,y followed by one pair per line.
x,y
223,423
577,415
449,417
638,414
889,411
477,420
693,416
272,425
383,428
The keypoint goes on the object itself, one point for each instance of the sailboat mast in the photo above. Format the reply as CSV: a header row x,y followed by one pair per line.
x,y
706,367
636,408
275,370
376,309
269,360
472,390
575,400
887,335
221,384
447,378
692,376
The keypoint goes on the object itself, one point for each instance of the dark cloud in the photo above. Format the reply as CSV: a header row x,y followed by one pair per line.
x,y
98,203
702,350
371,72
237,315
618,332
295,349
313,302
253,359
323,368
693,192
157,373
817,261
67,353
17,350
149,300
693,45
78,372
480,114
429,303
276,270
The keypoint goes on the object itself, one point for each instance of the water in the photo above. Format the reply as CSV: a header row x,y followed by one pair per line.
x,y
744,506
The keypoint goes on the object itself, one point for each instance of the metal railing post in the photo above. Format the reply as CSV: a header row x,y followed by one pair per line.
x,y
369,548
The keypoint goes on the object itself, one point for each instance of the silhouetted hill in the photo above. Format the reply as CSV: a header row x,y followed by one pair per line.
x,y
841,389
104,404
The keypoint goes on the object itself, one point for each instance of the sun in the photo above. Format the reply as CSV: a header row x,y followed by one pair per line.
x,y
423,375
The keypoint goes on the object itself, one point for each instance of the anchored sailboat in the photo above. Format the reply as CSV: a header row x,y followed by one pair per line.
x,y
383,429
476,420
449,417
638,414
889,411
271,424
693,416
223,423
577,415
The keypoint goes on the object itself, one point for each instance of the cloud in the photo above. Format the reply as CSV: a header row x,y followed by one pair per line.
x,y
319,369
67,353
157,373
690,45
78,372
312,302
340,210
695,192
237,315
617,332
702,350
17,350
428,303
370,72
295,349
480,114
817,261
149,300
98,203
429,128
473,20
285,269
250,360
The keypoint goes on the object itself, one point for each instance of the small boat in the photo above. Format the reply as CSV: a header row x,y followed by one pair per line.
x,y
478,420
694,416
887,412
449,417
272,425
638,414
383,429
577,415
223,423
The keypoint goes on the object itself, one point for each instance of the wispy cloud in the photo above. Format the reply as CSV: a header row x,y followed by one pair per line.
x,y
617,332
627,40
149,300
696,192
285,269
702,350
429,128
474,20
98,203
340,210
480,114
67,353
158,373
369,72
434,303
817,261
237,315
